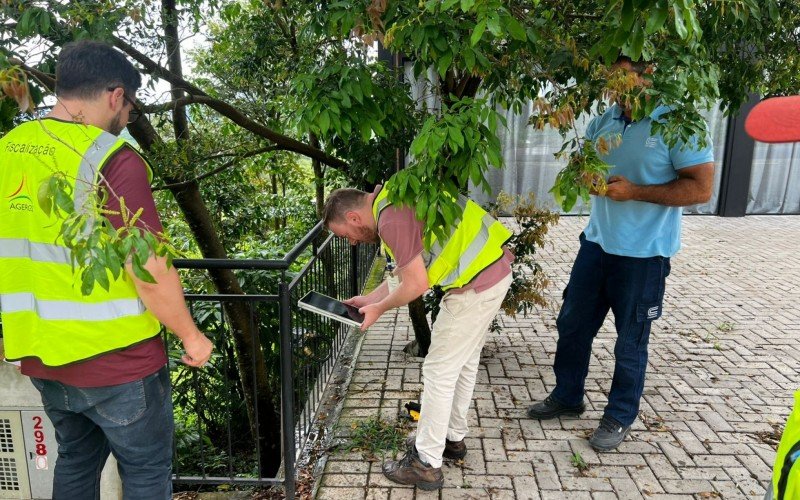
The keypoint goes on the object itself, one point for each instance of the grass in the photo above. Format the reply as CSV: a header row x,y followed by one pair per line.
x,y
579,463
375,436
726,326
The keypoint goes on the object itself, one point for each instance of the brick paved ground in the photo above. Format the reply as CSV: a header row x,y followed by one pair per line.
x,y
723,366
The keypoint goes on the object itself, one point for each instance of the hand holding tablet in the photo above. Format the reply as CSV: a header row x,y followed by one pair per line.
x,y
331,308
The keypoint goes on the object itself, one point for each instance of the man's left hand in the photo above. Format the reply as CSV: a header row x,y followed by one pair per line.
x,y
371,314
620,189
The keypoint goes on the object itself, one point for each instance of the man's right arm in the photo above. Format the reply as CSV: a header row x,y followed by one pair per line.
x,y
125,176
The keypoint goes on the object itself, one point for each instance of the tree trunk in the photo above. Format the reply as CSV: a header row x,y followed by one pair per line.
x,y
255,384
319,177
422,331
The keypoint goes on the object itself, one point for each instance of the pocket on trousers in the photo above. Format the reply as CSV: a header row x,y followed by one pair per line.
x,y
455,303
120,405
648,311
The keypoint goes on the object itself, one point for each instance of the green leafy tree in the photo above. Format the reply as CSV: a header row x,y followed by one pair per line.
x,y
490,53
185,152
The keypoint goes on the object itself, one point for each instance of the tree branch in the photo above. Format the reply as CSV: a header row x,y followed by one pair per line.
x,y
47,80
198,96
218,169
169,19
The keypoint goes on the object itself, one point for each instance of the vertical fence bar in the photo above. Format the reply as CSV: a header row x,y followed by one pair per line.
x,y
353,270
287,388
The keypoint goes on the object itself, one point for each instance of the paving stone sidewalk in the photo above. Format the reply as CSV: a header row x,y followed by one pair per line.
x,y
723,360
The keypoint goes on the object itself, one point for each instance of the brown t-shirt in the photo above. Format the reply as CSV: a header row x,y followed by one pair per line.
x,y
125,177
401,231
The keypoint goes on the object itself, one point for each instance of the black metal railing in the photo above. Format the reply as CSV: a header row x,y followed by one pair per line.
x,y
271,363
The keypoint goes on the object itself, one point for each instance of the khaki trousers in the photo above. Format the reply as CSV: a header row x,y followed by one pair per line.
x,y
451,367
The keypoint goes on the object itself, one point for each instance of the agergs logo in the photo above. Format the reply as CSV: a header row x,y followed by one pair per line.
x,y
20,199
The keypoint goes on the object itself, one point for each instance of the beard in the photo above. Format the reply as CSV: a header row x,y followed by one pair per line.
x,y
117,125
368,235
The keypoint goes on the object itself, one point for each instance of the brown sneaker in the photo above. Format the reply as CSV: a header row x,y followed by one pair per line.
x,y
411,470
453,450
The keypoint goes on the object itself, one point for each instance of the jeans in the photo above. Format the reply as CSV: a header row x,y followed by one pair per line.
x,y
633,288
134,421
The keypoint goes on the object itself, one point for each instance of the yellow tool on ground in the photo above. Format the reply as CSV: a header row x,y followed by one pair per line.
x,y
413,410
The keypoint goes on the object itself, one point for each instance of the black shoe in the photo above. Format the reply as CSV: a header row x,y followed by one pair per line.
x,y
609,434
453,450
549,408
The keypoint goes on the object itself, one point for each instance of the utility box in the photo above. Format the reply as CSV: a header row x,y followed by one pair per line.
x,y
28,448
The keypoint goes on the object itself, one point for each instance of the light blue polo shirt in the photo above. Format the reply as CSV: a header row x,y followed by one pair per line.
x,y
637,228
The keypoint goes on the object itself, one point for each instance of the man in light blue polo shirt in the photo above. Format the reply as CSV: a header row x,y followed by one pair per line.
x,y
623,262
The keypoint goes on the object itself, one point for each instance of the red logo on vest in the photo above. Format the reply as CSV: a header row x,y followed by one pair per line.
x,y
20,200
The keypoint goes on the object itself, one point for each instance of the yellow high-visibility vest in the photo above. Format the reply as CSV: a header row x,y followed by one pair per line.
x,y
43,311
475,244
786,473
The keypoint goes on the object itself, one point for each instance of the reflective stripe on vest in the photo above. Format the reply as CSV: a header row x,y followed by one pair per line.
x,y
39,252
61,310
475,244
91,161
44,314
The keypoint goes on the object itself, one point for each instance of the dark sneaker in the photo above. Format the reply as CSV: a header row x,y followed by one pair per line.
x,y
453,450
413,471
608,435
549,408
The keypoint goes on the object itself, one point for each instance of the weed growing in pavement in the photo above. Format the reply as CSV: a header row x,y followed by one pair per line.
x,y
726,326
579,463
375,436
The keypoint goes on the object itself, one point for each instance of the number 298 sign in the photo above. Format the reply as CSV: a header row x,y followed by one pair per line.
x,y
40,442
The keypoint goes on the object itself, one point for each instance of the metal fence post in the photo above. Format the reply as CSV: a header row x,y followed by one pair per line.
x,y
354,270
287,388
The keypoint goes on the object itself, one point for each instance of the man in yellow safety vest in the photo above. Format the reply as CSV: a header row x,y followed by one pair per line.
x,y
97,360
472,268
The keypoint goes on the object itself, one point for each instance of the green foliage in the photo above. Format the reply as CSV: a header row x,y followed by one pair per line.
x,y
726,326
304,69
531,227
341,100
464,139
584,174
373,160
98,250
374,437
196,453
556,52
578,462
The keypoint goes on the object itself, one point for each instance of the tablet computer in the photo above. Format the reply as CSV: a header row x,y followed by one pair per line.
x,y
331,308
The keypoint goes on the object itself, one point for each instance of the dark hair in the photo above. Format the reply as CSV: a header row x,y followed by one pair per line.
x,y
639,66
341,201
87,67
